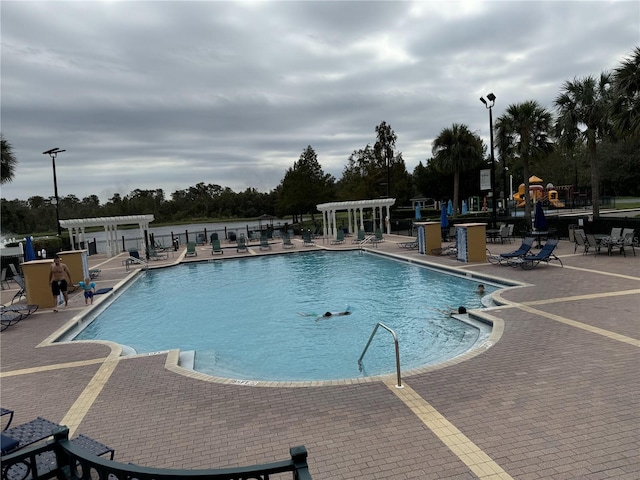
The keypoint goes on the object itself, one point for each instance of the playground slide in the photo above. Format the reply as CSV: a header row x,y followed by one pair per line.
x,y
556,203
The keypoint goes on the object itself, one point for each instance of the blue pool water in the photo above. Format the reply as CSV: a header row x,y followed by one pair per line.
x,y
255,318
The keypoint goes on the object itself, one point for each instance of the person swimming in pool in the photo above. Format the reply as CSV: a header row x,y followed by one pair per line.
x,y
347,311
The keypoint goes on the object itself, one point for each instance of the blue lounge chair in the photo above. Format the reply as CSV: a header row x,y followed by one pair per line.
x,y
529,262
511,258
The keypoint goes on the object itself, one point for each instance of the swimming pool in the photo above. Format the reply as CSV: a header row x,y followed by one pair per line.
x,y
257,318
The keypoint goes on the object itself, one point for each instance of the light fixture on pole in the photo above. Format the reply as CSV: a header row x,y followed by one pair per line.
x,y
489,105
53,153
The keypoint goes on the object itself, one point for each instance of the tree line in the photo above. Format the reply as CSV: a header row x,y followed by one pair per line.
x,y
591,141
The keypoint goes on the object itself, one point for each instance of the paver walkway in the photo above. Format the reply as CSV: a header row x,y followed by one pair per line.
x,y
556,396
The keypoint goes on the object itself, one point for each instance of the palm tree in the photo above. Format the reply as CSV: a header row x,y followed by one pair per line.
x,y
523,132
457,149
584,104
9,161
625,112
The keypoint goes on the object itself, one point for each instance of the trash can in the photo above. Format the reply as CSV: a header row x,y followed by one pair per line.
x,y
232,236
214,236
176,244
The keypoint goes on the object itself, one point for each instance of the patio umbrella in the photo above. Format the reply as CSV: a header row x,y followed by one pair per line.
x,y
444,220
418,213
450,207
540,221
29,253
464,207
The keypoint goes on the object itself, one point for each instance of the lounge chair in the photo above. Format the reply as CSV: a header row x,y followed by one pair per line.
x,y
22,291
339,237
264,243
378,236
215,246
241,244
409,245
154,255
360,238
133,252
191,250
512,258
307,241
9,319
529,262
286,241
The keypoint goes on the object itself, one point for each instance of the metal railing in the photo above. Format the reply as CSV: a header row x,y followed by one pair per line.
x,y
395,341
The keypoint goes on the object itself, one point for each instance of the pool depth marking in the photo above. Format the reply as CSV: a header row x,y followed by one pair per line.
x,y
481,464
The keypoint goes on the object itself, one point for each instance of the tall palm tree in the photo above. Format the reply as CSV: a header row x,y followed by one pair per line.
x,y
584,103
457,149
524,132
625,112
9,162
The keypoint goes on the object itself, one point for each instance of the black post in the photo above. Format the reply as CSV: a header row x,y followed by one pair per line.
x,y
53,153
492,99
493,171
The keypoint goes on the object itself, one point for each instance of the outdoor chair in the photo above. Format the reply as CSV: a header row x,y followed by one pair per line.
x,y
286,241
529,262
154,255
191,250
264,243
241,244
593,243
511,258
580,241
307,241
360,237
4,280
215,246
339,237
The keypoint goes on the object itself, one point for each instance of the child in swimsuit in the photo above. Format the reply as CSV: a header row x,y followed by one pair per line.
x,y
89,288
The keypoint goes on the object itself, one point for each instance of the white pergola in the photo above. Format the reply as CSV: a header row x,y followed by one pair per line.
x,y
110,224
356,209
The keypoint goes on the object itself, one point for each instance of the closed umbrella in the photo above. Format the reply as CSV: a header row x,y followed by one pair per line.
x,y
540,221
464,207
29,253
450,207
418,213
444,220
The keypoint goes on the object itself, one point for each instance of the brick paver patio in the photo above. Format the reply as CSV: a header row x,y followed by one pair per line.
x,y
557,396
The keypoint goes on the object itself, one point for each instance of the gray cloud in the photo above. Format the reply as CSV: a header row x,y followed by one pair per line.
x,y
168,94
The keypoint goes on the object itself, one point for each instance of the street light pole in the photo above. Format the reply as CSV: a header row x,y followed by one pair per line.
x,y
489,105
53,153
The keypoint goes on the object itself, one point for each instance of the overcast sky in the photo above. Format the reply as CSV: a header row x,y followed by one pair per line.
x,y
167,94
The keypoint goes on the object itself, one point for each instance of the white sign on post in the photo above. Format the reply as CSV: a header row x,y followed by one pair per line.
x,y
485,179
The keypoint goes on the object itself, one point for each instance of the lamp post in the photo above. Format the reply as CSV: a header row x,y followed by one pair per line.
x,y
507,196
489,105
53,153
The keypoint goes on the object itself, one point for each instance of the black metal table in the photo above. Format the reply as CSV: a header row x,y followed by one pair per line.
x,y
538,234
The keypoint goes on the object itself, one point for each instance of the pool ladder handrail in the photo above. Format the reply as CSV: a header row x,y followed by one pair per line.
x,y
395,341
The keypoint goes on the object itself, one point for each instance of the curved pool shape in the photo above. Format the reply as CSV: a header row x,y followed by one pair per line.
x,y
257,318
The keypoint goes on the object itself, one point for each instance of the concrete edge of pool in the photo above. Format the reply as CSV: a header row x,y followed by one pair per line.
x,y
174,364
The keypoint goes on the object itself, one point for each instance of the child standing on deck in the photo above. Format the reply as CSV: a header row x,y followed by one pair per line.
x,y
89,289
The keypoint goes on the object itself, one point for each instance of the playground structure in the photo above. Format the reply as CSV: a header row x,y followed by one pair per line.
x,y
548,194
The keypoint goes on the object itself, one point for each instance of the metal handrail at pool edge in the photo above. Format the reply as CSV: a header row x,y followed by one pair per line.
x,y
397,347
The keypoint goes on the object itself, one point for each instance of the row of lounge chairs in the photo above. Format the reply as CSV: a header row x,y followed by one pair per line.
x,y
522,257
